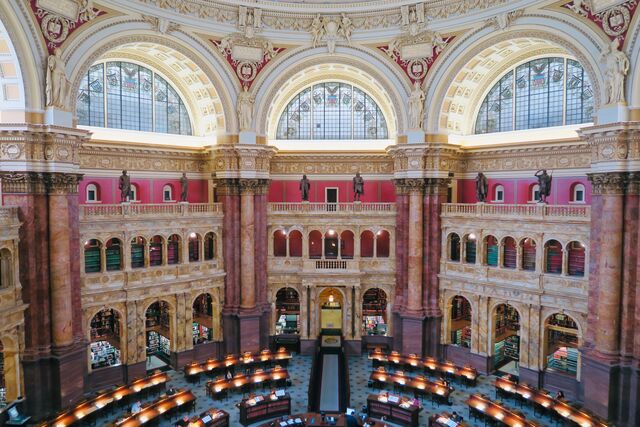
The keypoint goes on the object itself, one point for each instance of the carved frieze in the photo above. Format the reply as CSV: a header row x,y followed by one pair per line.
x,y
62,183
95,156
331,164
36,143
613,19
40,183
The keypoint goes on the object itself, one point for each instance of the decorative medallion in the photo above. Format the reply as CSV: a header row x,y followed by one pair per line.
x,y
59,19
613,20
247,56
416,54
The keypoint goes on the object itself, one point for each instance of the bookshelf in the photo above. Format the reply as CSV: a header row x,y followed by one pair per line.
x,y
470,257
200,333
374,312
137,255
564,359
492,252
104,354
512,347
288,308
510,254
153,342
92,258
461,337
173,254
105,324
576,259
554,258
155,254
113,257
528,256
507,319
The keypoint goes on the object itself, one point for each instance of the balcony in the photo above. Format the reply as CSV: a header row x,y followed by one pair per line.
x,y
342,209
150,211
535,212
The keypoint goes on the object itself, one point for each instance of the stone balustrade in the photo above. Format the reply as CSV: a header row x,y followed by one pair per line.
x,y
534,211
332,208
8,215
159,210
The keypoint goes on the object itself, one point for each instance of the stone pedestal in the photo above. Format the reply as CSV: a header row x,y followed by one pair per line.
x,y
412,334
600,380
249,331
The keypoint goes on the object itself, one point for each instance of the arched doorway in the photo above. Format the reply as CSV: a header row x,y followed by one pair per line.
x,y
106,329
374,312
158,330
506,339
331,304
287,311
460,322
561,344
202,319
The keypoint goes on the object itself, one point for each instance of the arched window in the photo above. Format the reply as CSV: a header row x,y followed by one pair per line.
x,y
382,244
114,255
133,194
315,244
92,257
136,99
137,252
498,194
491,248
209,246
374,312
295,244
287,311
454,247
6,268
535,193
470,249
577,195
553,257
532,95
92,193
366,244
460,321
167,193
561,343
105,339
279,243
194,247
332,110
576,259
509,253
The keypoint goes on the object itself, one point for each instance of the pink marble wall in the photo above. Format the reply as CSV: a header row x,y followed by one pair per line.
x,y
149,189
518,190
374,191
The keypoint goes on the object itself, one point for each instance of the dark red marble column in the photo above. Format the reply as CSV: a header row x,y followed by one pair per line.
x,y
402,218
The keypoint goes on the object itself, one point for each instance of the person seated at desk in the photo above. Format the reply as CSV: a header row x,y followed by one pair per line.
x,y
136,407
559,395
456,417
171,391
184,422
228,375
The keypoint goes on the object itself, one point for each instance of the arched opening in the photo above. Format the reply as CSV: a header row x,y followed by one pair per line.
x,y
491,251
209,246
287,311
295,244
509,253
578,193
576,259
534,193
6,268
134,194
460,321
106,330
454,247
553,257
347,244
173,249
203,319
137,252
155,251
331,244
382,244
194,247
92,256
506,339
528,254
315,244
374,312
3,383
470,249
92,193
331,304
561,346
158,331
366,244
498,194
280,243
167,193
113,253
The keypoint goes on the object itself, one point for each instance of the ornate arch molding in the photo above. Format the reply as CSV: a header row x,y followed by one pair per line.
x,y
29,51
90,49
633,80
285,77
470,46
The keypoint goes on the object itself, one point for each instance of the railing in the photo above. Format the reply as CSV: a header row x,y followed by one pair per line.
x,y
331,264
534,211
331,207
8,215
150,210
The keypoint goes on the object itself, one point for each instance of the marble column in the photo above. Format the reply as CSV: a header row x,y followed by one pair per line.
x,y
414,247
247,245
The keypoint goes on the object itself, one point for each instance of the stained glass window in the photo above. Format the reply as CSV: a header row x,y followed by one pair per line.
x,y
332,111
136,99
540,93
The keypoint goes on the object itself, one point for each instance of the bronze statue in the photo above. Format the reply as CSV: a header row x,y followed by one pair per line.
x,y
482,187
184,187
358,187
124,186
544,182
305,185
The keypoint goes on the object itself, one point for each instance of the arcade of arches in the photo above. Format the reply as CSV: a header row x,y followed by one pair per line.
x,y
184,182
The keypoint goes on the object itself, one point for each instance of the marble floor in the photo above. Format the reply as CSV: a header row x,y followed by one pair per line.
x,y
359,370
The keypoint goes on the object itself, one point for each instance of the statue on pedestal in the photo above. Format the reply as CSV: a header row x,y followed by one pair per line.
x,y
125,187
245,109
416,106
184,187
544,182
482,187
305,185
617,67
56,82
358,187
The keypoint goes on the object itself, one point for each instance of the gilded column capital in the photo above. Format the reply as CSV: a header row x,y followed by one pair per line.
x,y
610,183
23,183
633,184
437,186
253,186
62,183
410,185
227,186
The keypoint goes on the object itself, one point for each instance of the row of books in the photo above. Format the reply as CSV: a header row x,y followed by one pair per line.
x,y
104,354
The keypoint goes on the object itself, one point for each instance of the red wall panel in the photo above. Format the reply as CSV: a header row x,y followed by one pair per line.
x,y
149,190
375,191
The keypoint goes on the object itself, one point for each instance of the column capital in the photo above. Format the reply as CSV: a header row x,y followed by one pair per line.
x,y
227,186
437,186
610,183
253,186
409,185
40,183
62,183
